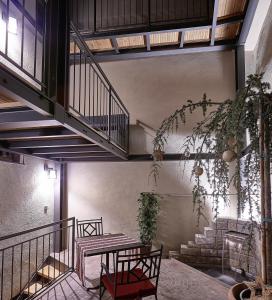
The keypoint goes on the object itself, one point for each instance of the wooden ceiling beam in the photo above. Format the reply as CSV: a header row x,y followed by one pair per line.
x,y
51,132
60,142
214,21
58,150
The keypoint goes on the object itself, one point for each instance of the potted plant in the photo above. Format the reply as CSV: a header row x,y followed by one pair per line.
x,y
147,218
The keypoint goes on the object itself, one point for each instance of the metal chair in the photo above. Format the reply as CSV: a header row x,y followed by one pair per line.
x,y
135,276
87,228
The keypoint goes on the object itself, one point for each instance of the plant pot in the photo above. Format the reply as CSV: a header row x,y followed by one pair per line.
x,y
235,291
146,249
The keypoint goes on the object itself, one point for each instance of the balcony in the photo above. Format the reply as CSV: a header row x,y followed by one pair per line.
x,y
47,101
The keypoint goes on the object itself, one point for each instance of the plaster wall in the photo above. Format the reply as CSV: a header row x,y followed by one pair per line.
x,y
152,89
24,192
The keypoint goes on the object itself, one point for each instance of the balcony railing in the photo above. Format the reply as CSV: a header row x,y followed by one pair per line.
x,y
27,257
97,16
22,38
93,99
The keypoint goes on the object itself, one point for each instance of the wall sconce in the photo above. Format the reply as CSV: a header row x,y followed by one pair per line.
x,y
51,172
12,25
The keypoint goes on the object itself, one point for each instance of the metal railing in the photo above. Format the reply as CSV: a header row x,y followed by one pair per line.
x,y
93,99
104,15
22,38
26,258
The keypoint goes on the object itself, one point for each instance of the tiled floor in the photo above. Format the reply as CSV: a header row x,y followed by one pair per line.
x,y
177,282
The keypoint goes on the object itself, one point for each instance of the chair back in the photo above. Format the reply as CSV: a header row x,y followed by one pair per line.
x,y
139,267
87,228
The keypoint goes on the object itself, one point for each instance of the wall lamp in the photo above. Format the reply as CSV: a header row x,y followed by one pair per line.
x,y
51,172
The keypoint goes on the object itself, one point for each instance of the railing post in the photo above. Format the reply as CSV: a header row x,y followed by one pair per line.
x,y
109,118
73,242
94,17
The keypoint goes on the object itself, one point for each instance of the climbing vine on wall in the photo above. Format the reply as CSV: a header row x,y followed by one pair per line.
x,y
219,139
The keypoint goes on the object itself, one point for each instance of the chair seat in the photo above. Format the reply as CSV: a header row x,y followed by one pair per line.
x,y
131,290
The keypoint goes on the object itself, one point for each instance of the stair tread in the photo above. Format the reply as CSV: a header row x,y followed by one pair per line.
x,y
33,288
49,272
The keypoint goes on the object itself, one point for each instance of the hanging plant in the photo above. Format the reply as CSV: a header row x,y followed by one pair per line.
x,y
221,136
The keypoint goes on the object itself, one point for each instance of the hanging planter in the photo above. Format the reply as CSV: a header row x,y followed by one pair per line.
x,y
158,155
229,155
198,171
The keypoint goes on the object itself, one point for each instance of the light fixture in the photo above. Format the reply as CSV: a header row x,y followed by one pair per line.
x,y
12,25
51,172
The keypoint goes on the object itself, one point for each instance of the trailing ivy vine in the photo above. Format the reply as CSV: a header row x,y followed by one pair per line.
x,y
221,136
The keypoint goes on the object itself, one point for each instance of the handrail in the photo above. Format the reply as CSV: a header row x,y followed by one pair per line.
x,y
86,48
13,235
29,257
93,100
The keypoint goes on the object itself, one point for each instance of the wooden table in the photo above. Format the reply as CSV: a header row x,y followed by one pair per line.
x,y
99,245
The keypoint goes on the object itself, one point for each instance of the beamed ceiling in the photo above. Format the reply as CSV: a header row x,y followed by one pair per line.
x,y
135,29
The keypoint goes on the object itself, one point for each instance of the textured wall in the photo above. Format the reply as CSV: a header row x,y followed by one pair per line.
x,y
151,89
24,191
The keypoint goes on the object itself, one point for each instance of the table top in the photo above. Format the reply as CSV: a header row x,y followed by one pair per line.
x,y
107,243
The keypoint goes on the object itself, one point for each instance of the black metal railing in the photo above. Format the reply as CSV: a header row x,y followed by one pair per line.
x,y
33,259
94,16
22,38
93,99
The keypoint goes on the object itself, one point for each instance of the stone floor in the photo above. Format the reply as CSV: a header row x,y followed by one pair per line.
x,y
177,282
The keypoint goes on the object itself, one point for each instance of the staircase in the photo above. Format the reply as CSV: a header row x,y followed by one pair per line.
x,y
49,271
207,248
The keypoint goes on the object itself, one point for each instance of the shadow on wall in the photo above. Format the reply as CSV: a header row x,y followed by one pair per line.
x,y
264,51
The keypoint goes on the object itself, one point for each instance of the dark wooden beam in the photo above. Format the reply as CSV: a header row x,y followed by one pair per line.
x,y
250,12
23,115
115,44
92,159
139,54
36,133
58,150
49,143
214,21
146,29
240,67
75,155
181,39
20,90
170,157
147,41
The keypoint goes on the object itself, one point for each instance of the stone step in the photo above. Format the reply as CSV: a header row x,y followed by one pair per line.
x,y
202,239
186,250
208,260
209,232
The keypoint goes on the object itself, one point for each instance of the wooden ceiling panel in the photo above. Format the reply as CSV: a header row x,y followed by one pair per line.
x,y
166,38
100,45
8,103
227,32
197,36
136,41
230,8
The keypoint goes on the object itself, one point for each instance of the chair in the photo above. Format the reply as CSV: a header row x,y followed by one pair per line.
x,y
135,276
87,228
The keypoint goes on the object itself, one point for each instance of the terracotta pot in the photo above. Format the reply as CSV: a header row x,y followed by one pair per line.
x,y
229,156
158,155
199,171
235,291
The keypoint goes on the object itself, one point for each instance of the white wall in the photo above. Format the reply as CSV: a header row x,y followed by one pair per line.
x,y
151,89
